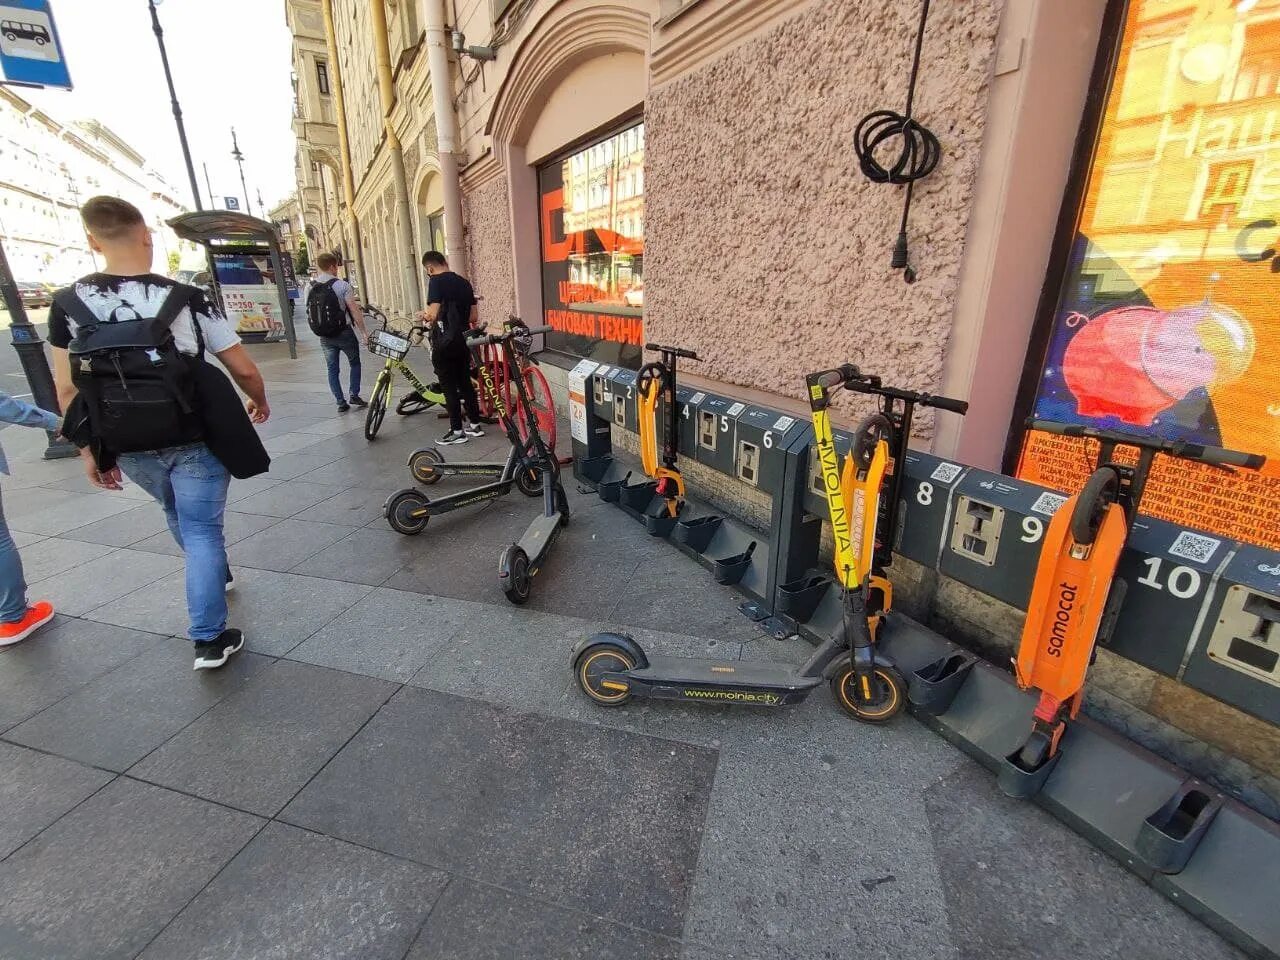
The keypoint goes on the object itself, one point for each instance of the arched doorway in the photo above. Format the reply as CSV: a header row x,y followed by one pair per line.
x,y
430,211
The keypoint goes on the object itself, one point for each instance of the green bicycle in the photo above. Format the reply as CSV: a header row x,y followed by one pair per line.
x,y
394,347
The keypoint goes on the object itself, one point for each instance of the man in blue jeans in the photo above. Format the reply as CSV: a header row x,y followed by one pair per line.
x,y
344,343
187,480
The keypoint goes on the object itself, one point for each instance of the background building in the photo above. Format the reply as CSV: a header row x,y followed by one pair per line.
x,y
287,217
47,170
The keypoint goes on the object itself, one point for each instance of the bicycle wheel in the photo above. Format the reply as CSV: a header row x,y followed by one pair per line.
x,y
544,408
377,406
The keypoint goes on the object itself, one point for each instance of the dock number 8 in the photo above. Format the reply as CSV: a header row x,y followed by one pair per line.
x,y
924,496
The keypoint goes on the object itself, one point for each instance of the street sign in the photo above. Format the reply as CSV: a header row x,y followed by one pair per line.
x,y
30,52
232,203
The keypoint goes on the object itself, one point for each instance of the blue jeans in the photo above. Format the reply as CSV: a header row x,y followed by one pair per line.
x,y
344,343
13,586
191,484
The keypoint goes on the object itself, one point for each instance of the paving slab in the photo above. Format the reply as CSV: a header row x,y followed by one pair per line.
x,y
298,465
298,894
123,529
80,484
77,591
670,592
60,659
388,634
1017,884
354,507
36,789
50,556
532,803
258,747
276,611
284,545
117,719
235,527
363,556
521,928
77,511
104,880
240,489
286,499
290,443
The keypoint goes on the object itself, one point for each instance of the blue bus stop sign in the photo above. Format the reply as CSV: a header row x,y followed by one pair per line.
x,y
30,52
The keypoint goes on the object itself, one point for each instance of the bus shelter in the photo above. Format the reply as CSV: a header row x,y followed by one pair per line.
x,y
245,262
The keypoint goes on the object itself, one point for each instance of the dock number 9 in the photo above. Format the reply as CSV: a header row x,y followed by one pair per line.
x,y
1032,529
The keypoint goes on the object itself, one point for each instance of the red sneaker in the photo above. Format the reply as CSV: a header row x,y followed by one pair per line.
x,y
37,616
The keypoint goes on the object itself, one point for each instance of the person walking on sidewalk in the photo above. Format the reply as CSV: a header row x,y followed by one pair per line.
x,y
332,310
18,620
142,394
451,312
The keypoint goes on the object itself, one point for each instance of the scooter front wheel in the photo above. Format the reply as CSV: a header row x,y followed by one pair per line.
x,y
888,694
592,665
529,482
408,512
517,582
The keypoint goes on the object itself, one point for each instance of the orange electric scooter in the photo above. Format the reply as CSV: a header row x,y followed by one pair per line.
x,y
657,381
1076,597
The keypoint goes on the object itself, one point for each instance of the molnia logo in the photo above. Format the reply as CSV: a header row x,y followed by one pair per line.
x,y
1061,618
739,696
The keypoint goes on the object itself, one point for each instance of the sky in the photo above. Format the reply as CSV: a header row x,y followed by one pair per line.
x,y
231,65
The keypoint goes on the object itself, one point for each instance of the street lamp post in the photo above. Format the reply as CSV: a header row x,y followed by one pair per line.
x,y
239,157
173,96
26,340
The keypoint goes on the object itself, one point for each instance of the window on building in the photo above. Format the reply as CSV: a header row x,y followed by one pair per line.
x,y
1163,319
593,249
322,77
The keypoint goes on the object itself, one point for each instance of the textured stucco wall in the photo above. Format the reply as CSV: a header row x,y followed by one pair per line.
x,y
767,251
488,218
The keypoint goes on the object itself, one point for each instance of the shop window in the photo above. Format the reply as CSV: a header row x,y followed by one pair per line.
x,y
1161,317
591,208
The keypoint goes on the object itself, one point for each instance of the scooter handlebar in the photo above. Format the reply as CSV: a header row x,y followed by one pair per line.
x,y
678,351
1174,448
946,403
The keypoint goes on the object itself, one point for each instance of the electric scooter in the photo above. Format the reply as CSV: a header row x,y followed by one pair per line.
x,y
611,667
657,381
529,466
1076,596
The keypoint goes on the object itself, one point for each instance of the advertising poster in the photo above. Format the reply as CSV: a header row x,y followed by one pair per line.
x,y
1168,321
592,215
249,295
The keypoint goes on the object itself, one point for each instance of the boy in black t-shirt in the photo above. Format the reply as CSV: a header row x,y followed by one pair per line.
x,y
451,311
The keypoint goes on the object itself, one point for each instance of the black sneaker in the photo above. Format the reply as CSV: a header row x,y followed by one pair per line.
x,y
453,436
231,582
472,430
211,655
343,407
356,401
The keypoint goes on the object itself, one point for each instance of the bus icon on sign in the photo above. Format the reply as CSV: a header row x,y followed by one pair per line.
x,y
16,30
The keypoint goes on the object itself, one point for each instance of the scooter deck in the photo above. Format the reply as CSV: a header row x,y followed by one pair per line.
x,y
717,681
1068,599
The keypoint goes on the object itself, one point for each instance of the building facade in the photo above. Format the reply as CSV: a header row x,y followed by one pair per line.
x,y
47,170
1095,245
287,218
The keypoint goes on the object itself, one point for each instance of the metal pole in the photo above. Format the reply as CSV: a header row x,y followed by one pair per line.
x,y
235,152
286,305
177,110
209,185
26,340
262,210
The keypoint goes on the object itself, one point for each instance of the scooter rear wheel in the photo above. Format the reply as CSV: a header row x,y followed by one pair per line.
x,y
529,482
518,583
889,694
412,403
591,666
422,465
1034,752
408,512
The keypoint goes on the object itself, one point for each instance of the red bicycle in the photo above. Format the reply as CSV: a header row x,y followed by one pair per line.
x,y
536,387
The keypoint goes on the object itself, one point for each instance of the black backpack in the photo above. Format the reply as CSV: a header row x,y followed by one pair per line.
x,y
326,314
139,390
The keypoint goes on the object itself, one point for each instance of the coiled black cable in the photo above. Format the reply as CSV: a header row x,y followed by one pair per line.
x,y
918,153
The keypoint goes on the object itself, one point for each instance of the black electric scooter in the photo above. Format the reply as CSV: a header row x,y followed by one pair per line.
x,y
530,467
612,667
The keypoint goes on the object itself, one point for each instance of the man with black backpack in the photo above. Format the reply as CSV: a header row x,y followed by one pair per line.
x,y
451,312
128,356
332,309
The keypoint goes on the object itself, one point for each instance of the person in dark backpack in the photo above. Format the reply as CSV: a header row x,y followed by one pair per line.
x,y
127,345
332,310
451,312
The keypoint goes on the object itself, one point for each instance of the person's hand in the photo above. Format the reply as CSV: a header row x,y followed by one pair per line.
x,y
103,480
258,412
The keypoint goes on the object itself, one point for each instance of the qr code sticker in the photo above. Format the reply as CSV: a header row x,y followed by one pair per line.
x,y
1194,547
1048,503
736,409
946,472
783,423
697,398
